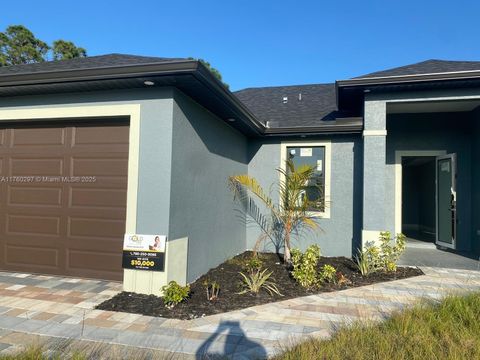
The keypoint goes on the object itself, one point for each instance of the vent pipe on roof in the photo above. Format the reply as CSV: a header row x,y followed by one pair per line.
x,y
300,97
285,99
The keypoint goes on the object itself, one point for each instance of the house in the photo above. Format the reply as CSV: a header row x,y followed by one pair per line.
x,y
93,148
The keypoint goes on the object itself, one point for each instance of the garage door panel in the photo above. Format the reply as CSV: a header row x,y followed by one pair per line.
x,y
83,197
34,196
31,224
104,228
27,255
37,136
63,227
100,135
35,166
94,260
98,245
104,167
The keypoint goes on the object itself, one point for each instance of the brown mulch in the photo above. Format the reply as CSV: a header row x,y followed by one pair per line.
x,y
227,275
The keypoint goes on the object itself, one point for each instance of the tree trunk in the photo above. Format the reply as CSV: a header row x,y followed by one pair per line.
x,y
287,258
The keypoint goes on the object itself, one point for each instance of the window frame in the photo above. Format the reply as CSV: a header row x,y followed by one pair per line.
x,y
327,145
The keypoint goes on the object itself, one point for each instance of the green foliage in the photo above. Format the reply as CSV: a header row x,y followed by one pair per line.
x,y
257,280
305,266
212,288
253,264
290,214
447,329
63,50
18,45
328,274
390,253
174,294
213,70
383,257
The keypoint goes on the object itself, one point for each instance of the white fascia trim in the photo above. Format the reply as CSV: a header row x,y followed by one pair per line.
x,y
87,111
328,169
398,179
374,132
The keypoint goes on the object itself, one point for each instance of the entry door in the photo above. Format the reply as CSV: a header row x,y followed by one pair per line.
x,y
446,200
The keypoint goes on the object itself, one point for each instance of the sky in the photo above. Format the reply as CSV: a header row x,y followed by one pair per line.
x,y
263,42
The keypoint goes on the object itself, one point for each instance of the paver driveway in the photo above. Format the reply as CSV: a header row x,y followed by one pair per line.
x,y
54,309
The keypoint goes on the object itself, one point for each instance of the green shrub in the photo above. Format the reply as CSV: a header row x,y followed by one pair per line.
x,y
174,294
390,253
305,266
253,264
258,280
383,257
328,274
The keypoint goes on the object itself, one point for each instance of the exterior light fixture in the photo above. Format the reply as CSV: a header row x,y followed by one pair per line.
x,y
148,83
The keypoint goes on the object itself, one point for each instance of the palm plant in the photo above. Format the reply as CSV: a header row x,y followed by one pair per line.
x,y
293,210
257,280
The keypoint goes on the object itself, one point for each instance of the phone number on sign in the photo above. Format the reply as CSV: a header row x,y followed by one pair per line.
x,y
49,179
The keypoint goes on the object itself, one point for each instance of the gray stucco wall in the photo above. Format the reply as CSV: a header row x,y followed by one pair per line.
x,y
206,151
156,107
440,131
341,232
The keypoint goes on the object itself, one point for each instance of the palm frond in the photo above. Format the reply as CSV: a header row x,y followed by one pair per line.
x,y
237,182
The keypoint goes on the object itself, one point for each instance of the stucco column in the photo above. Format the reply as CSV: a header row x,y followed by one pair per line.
x,y
374,170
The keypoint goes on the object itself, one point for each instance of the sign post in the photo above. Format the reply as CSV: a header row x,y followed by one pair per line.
x,y
144,252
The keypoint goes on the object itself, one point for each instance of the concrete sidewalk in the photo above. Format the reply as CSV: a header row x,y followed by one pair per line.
x,y
53,311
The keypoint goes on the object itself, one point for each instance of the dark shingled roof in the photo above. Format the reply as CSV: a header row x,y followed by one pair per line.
x,y
91,62
315,106
426,67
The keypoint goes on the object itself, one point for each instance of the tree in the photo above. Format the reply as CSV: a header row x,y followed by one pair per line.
x,y
291,213
67,50
18,45
214,71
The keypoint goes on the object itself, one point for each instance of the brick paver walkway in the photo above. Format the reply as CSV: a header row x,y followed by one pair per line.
x,y
60,311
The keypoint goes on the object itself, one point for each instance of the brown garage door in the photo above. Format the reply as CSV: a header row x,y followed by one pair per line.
x,y
63,198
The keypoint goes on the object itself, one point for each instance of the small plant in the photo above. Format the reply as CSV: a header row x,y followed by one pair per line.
x,y
391,253
253,264
383,257
341,279
328,274
213,289
305,266
258,280
174,294
361,263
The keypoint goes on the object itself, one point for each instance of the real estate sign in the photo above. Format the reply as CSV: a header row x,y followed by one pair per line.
x,y
144,252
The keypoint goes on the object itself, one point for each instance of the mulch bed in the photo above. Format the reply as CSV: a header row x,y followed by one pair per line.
x,y
226,275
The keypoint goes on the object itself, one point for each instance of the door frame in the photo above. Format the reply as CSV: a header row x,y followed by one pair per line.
x,y
453,159
399,154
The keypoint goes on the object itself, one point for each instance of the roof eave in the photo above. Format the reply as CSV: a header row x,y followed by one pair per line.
x,y
178,67
99,73
382,80
317,130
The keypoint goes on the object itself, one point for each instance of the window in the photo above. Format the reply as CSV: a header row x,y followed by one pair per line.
x,y
316,155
